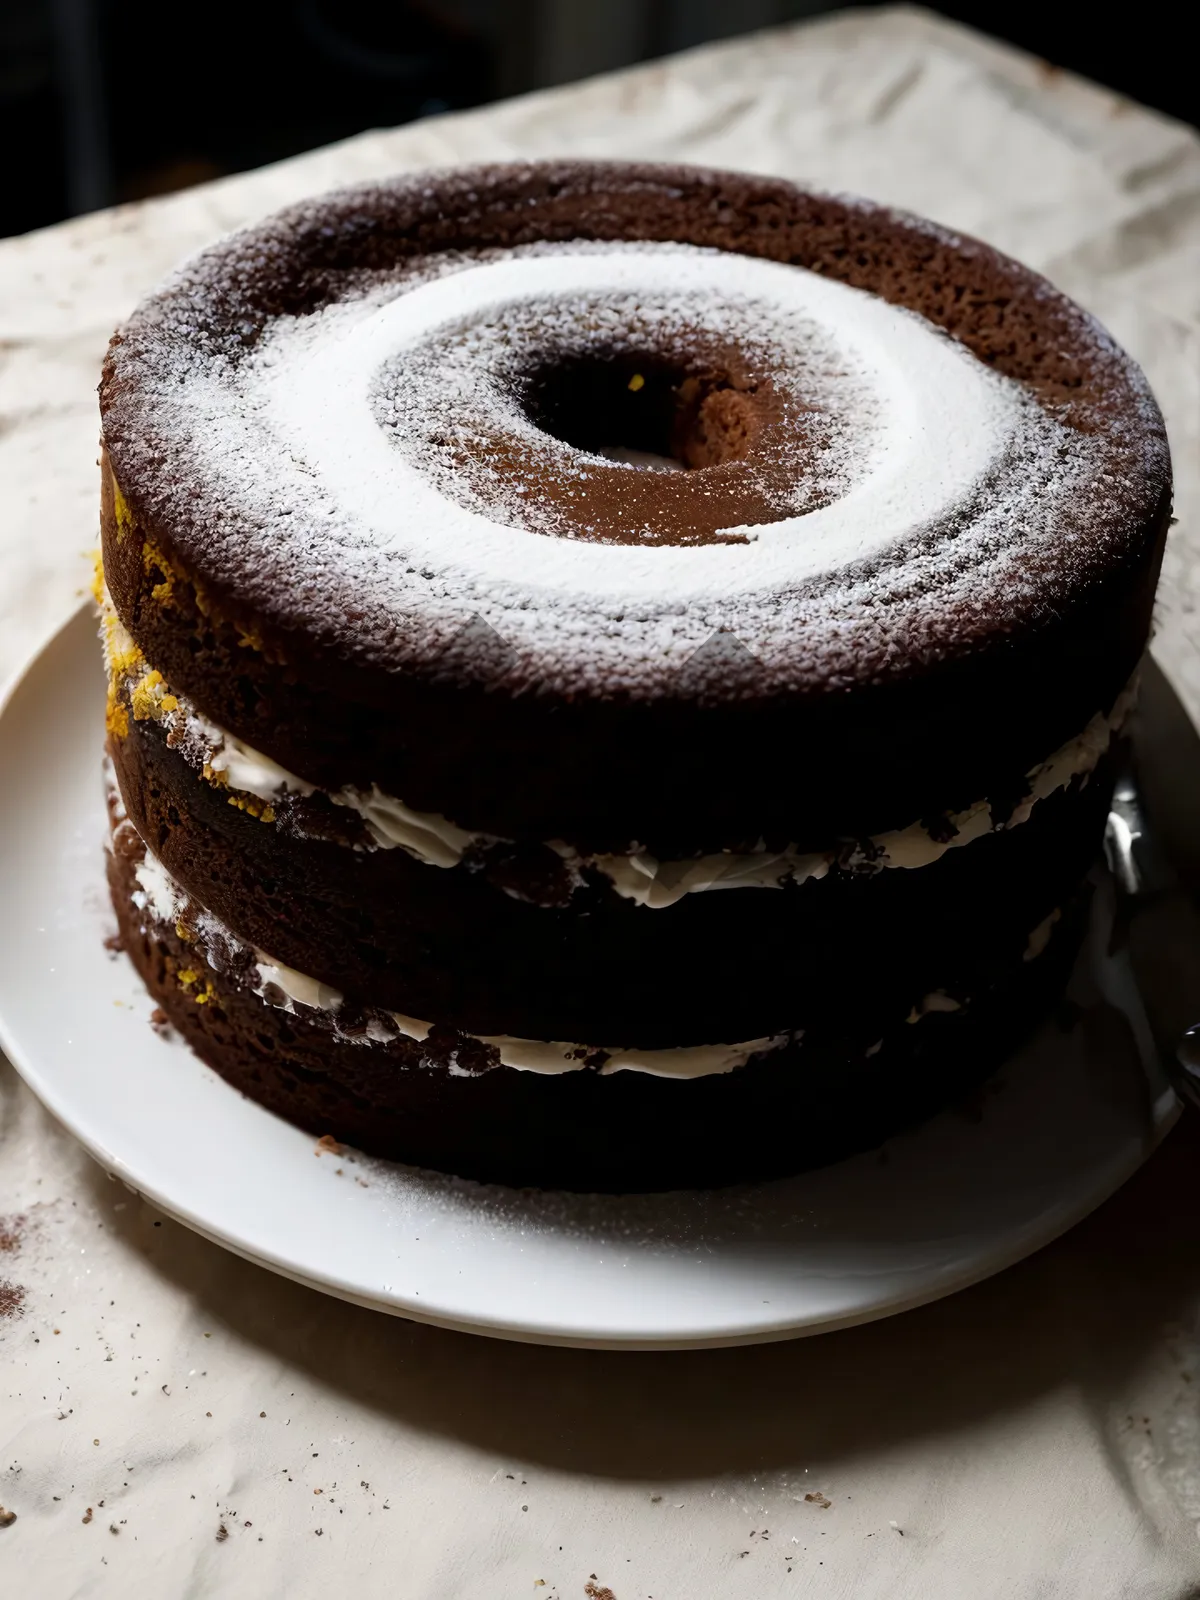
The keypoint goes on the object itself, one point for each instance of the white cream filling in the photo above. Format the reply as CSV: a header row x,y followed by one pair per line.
x,y
938,1000
392,825
287,989
157,891
656,884
687,1061
250,771
297,989
641,877
535,1055
525,1055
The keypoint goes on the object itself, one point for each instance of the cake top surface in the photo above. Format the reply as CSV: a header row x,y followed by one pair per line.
x,y
598,428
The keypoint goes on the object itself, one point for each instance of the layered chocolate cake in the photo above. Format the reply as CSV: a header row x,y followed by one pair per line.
x,y
615,671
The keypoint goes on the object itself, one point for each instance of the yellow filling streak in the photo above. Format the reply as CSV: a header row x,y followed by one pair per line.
x,y
116,718
120,653
121,511
205,993
253,806
149,697
153,560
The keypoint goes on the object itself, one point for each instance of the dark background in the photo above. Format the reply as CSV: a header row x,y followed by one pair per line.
x,y
110,100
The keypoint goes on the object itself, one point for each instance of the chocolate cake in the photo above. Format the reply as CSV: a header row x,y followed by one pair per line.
x,y
498,563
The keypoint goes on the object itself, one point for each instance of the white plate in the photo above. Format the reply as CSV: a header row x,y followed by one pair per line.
x,y
938,1209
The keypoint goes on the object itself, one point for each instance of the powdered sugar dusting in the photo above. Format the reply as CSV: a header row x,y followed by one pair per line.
x,y
449,401
946,497
360,395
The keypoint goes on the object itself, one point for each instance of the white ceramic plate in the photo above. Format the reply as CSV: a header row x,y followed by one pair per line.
x,y
940,1208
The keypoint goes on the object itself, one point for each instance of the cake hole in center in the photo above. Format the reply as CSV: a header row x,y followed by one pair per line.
x,y
642,410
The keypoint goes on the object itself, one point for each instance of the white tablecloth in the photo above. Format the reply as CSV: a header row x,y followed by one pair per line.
x,y
177,1422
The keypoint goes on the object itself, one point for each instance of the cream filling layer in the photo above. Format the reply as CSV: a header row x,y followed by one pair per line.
x,y
641,877
656,884
285,988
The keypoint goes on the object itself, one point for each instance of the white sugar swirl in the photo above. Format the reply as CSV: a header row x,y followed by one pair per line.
x,y
936,421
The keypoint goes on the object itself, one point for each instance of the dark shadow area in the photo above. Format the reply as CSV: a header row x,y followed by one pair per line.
x,y
113,100
1140,53
642,408
1168,749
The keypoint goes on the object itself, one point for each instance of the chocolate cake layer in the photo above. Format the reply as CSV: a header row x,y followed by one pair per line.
x,y
664,658
617,672
446,1102
457,945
